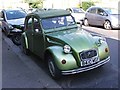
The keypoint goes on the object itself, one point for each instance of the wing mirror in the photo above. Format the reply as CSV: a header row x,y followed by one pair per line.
x,y
1,19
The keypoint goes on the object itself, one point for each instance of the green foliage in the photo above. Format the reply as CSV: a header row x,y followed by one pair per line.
x,y
35,3
86,5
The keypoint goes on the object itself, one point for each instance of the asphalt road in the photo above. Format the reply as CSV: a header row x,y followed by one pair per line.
x,y
21,71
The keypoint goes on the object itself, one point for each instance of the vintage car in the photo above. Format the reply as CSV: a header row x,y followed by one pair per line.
x,y
54,36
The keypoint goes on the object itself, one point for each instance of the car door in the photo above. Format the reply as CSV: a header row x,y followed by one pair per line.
x,y
91,15
100,16
29,32
38,38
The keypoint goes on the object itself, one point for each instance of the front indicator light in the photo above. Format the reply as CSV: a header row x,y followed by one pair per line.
x,y
106,50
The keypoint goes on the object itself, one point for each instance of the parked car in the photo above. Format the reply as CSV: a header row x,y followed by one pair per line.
x,y
78,14
54,36
13,18
108,18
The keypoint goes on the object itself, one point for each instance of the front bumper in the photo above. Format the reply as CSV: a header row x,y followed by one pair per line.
x,y
86,68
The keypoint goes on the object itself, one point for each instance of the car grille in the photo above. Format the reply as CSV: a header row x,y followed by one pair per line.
x,y
88,54
89,57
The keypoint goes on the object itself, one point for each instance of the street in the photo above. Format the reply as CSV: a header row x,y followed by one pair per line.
x,y
22,71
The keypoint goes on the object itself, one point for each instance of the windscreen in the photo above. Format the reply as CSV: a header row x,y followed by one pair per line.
x,y
15,14
57,22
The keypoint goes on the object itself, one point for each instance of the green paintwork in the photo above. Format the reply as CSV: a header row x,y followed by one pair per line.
x,y
53,41
51,13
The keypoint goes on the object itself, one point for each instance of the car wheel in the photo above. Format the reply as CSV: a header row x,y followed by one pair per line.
x,y
86,22
107,25
53,69
16,38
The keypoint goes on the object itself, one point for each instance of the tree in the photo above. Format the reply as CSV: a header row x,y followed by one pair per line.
x,y
35,3
86,5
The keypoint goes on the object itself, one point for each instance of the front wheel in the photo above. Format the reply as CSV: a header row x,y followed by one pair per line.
x,y
16,38
53,69
107,25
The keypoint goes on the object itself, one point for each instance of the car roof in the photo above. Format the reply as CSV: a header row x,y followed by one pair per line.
x,y
50,13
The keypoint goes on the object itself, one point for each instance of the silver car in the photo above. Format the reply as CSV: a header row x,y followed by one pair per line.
x,y
108,18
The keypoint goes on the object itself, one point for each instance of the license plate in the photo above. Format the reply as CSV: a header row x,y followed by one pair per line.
x,y
89,61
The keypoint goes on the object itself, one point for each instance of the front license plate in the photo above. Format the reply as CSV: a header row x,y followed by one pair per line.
x,y
89,61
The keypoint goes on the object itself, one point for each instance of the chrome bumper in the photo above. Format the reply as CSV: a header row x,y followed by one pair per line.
x,y
86,68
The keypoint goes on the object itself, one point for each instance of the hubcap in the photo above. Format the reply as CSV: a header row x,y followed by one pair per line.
x,y
17,39
107,25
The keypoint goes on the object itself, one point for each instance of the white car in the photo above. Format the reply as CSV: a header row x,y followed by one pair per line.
x,y
77,13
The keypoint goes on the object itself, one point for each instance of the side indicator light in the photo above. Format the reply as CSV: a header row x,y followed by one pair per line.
x,y
63,61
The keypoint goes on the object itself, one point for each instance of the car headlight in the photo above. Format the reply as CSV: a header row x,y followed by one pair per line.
x,y
10,27
67,49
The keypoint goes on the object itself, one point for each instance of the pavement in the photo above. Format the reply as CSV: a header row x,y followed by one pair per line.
x,y
17,72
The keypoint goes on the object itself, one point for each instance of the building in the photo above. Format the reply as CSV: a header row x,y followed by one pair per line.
x,y
13,4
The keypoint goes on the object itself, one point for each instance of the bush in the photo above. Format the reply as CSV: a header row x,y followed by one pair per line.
x,y
86,5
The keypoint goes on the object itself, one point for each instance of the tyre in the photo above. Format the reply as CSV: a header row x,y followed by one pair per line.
x,y
53,69
86,22
16,38
107,25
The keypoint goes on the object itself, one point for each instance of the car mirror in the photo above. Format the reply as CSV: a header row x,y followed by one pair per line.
x,y
1,19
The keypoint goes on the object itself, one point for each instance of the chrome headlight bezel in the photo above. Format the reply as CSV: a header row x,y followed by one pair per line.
x,y
67,49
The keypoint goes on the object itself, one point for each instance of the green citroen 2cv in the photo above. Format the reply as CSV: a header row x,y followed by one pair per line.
x,y
54,36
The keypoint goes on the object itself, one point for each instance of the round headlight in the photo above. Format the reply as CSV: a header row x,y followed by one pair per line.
x,y
67,49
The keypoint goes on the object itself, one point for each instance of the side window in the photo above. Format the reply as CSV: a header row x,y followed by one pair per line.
x,y
93,10
100,12
29,24
70,20
36,25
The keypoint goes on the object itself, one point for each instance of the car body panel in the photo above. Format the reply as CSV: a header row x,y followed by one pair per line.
x,y
19,21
